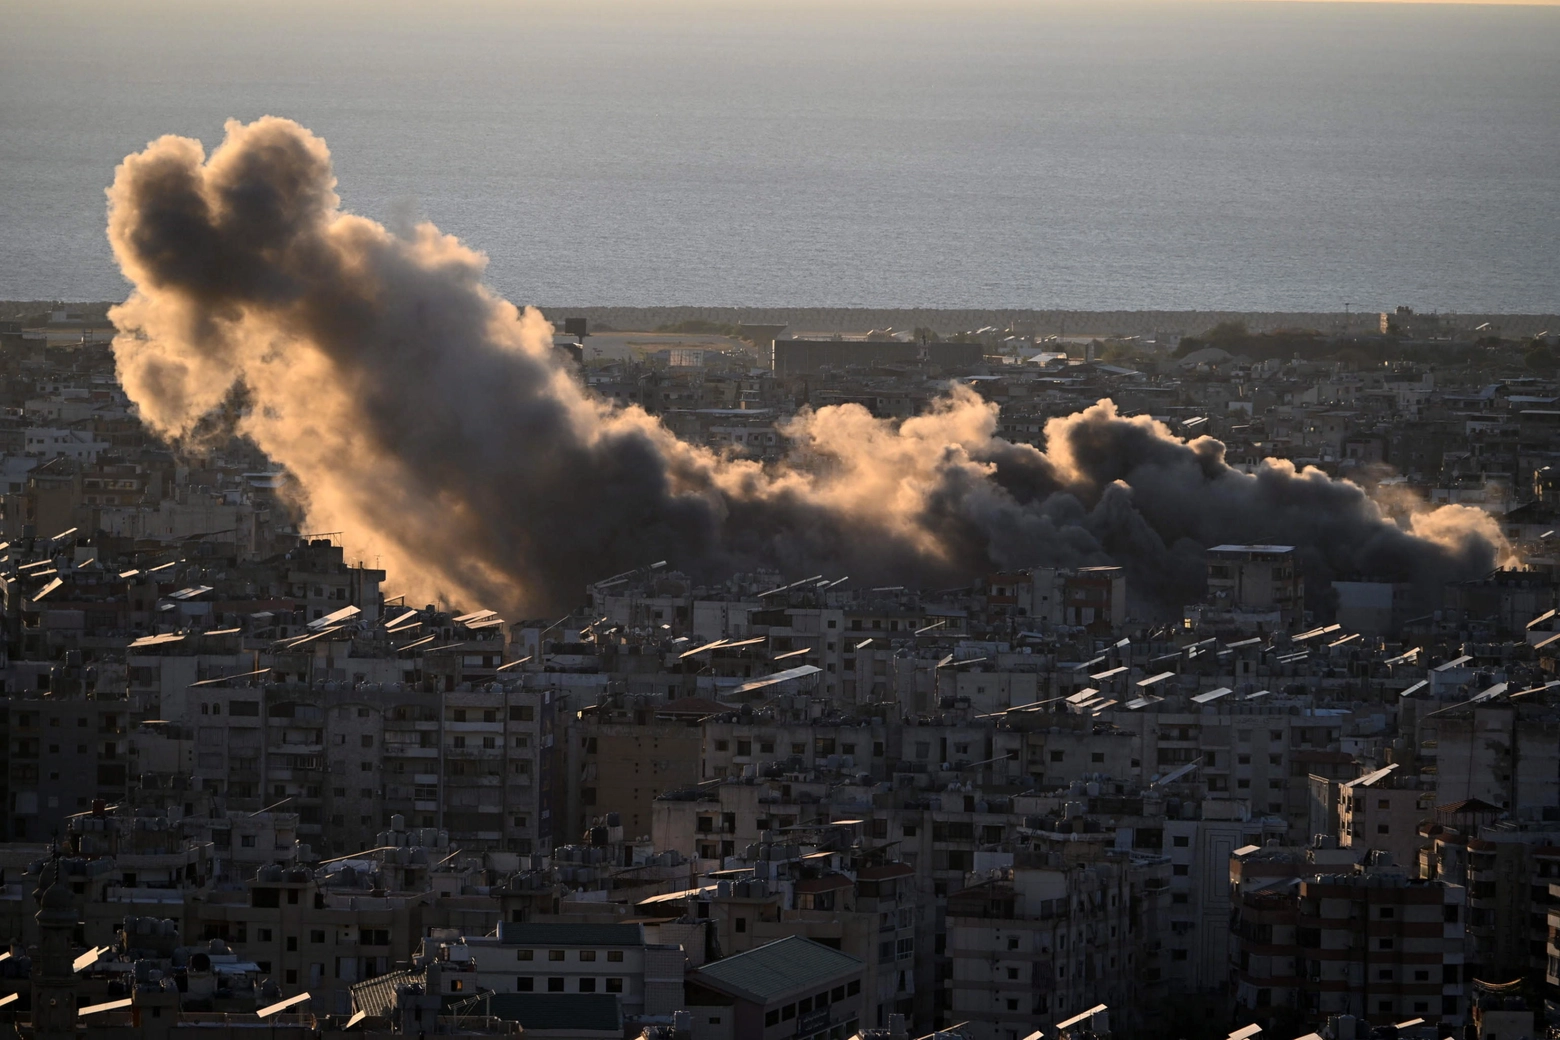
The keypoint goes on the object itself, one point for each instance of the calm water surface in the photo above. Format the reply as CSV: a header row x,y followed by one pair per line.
x,y
1105,155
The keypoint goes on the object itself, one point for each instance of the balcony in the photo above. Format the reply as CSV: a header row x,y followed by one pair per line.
x,y
474,727
290,748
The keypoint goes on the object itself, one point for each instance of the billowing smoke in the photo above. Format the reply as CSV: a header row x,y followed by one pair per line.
x,y
434,424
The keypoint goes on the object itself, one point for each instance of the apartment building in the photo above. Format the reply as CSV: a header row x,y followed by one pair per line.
x,y
1503,752
318,934
1196,933
717,821
738,744
1372,943
63,753
477,764
1094,598
1508,868
634,749
572,958
859,901
1382,811
1255,579
1035,942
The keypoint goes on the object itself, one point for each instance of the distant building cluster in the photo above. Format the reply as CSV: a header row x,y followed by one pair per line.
x,y
247,793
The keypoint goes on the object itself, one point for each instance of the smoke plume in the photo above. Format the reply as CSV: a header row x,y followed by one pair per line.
x,y
435,424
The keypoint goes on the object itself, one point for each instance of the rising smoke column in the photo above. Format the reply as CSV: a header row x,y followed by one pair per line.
x,y
434,423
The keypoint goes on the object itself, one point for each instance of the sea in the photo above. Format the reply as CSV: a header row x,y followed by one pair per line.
x,y
1086,154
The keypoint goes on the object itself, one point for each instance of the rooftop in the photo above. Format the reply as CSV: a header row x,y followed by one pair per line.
x,y
777,969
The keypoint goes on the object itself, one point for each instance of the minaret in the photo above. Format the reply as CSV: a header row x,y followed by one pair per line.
x,y
54,978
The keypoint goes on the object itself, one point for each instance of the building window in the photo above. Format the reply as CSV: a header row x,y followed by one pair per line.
x,y
525,955
587,955
614,985
524,984
555,984
587,985
616,956
555,955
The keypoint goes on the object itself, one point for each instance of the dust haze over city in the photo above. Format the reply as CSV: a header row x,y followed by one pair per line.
x,y
728,522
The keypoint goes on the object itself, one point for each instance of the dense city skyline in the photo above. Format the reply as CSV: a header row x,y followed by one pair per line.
x,y
758,521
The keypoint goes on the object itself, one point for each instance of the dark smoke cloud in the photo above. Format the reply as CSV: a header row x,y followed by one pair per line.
x,y
434,422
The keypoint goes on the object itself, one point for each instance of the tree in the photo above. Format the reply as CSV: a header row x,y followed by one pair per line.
x,y
1227,334
1542,359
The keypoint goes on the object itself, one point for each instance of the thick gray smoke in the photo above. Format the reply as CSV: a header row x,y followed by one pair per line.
x,y
433,422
